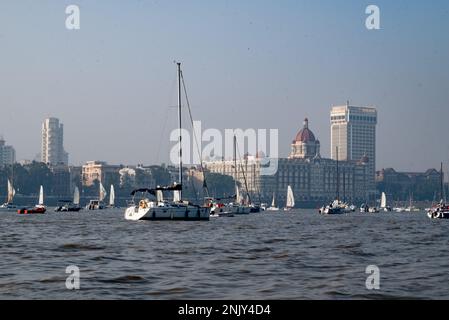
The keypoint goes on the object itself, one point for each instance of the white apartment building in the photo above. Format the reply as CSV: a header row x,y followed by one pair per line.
x,y
52,151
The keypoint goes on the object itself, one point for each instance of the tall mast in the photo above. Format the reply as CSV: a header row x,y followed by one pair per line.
x,y
180,125
338,177
441,182
235,159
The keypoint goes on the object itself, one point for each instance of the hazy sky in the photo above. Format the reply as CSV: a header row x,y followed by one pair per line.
x,y
248,64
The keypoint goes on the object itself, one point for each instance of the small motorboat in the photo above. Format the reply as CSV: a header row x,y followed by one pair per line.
x,y
35,210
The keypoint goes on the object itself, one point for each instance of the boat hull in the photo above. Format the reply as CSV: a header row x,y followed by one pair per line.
x,y
168,213
32,211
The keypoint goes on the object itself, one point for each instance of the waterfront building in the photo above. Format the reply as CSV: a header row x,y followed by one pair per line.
x,y
7,153
312,178
101,172
52,148
405,185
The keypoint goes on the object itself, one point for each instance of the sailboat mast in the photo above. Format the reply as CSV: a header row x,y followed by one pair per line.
x,y
338,177
180,125
235,160
441,182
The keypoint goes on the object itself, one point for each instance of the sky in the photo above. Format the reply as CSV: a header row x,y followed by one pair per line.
x,y
247,64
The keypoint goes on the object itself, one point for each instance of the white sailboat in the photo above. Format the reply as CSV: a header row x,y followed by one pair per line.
x,y
112,197
383,203
167,210
41,196
40,208
98,204
70,206
8,205
290,199
238,207
273,205
76,197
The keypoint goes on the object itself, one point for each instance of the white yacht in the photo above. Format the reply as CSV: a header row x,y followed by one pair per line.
x,y
159,209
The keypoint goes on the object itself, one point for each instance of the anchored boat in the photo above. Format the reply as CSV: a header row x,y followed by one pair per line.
x,y
97,204
68,205
441,210
290,199
8,205
159,209
40,208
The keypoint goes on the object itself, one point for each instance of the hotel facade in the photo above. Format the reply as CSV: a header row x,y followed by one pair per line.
x,y
313,178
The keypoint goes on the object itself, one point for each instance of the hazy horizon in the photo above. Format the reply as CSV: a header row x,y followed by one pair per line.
x,y
264,64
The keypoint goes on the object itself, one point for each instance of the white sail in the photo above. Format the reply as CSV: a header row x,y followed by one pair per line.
x,y
290,198
383,200
11,192
112,196
238,198
272,202
103,192
41,196
176,196
76,196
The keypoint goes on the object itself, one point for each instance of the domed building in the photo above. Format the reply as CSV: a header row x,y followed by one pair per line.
x,y
305,145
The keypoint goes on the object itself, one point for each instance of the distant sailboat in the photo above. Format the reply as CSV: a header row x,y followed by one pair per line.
x,y
9,206
112,197
273,205
70,206
98,204
39,208
76,196
103,193
290,199
383,203
440,211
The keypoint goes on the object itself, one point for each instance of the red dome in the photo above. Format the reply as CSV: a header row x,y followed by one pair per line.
x,y
305,134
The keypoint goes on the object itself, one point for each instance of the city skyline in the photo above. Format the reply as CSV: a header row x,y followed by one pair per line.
x,y
111,82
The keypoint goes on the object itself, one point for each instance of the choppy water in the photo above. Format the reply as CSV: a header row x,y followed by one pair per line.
x,y
299,255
